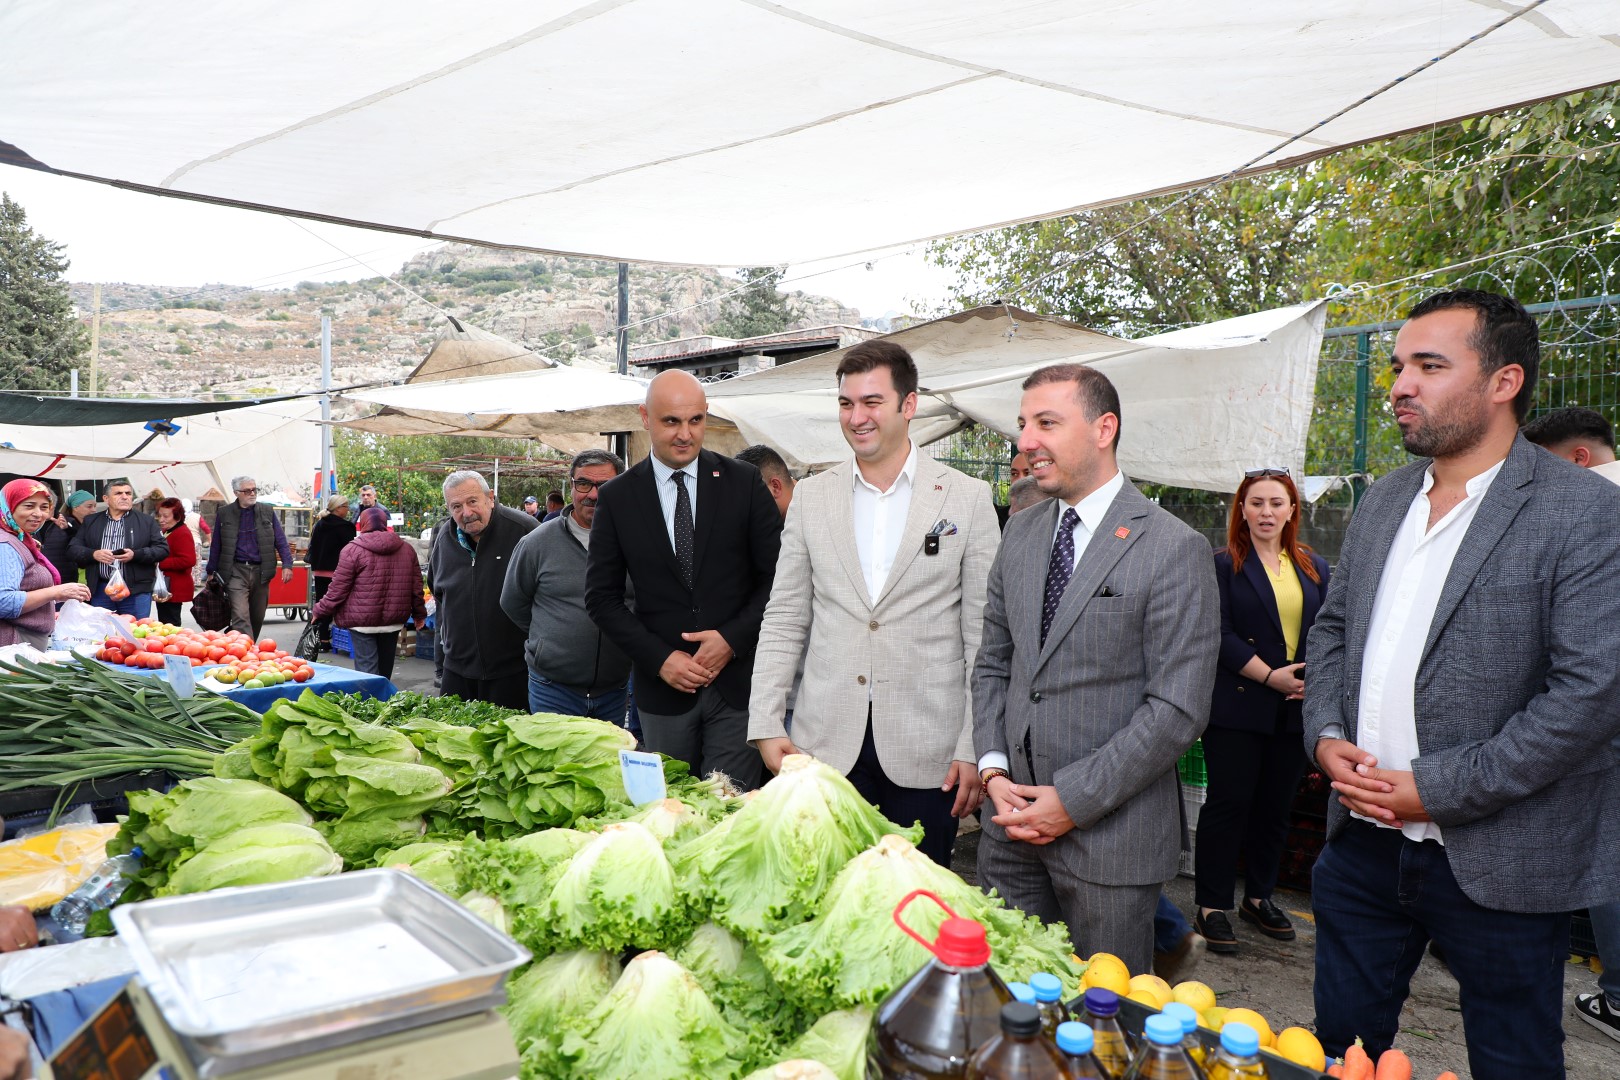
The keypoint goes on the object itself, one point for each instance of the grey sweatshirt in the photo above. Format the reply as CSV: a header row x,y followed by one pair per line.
x,y
544,594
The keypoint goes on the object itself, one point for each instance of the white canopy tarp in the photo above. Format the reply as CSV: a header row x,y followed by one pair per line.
x,y
1200,406
278,444
747,132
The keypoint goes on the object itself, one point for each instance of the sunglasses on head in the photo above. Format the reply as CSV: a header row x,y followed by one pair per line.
x,y
1274,470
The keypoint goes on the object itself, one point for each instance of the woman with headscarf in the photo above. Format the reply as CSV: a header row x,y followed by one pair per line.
x,y
56,535
331,534
182,560
30,587
377,586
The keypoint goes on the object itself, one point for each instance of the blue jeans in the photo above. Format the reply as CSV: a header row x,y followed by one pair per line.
x,y
632,715
1169,926
1606,929
136,604
1379,898
554,697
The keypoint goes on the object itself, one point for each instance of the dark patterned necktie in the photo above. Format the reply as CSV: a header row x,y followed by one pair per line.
x,y
1059,569
683,529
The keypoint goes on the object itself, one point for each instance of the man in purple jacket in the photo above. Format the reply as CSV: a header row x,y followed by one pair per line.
x,y
246,538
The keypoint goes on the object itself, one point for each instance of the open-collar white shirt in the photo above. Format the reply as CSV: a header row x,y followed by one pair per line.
x,y
880,518
1414,574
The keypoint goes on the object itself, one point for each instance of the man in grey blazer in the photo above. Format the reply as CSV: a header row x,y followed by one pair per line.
x,y
1100,637
882,571
1464,699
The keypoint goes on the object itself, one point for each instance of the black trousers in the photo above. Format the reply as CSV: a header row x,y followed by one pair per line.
x,y
904,805
169,611
508,691
324,624
1252,779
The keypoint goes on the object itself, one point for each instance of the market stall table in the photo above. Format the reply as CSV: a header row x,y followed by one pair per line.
x,y
328,679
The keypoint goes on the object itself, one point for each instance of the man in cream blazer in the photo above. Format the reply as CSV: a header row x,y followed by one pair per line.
x,y
882,575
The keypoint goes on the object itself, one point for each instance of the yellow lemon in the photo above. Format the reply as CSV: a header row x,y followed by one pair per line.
x,y
1196,994
1301,1047
1146,997
1109,972
1153,985
1213,1018
1254,1020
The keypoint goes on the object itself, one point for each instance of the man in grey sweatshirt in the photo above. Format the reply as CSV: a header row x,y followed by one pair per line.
x,y
574,669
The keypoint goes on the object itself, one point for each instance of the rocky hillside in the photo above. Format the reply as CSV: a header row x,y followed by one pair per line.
x,y
182,341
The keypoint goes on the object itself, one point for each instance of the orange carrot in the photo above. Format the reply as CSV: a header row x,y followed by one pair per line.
x,y
1336,1070
1393,1065
1357,1065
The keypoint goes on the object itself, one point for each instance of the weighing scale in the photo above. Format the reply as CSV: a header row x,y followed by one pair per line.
x,y
371,975
129,1040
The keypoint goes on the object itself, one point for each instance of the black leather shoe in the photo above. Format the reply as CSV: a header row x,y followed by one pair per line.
x,y
1267,918
1217,932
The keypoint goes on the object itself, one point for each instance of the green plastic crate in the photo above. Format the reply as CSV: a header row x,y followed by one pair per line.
x,y
1191,766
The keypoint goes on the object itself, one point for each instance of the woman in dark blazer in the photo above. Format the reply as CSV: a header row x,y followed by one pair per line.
x,y
1271,588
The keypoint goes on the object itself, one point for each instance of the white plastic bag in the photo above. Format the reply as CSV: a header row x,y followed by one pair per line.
x,y
80,626
160,588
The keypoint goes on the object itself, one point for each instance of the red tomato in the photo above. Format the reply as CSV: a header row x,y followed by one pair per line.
x,y
237,649
215,653
303,674
267,644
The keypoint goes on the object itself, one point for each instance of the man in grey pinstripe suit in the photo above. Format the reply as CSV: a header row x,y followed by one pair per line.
x,y
1101,628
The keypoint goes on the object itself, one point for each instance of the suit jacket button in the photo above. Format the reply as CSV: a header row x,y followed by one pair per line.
x,y
872,625
1035,696
1240,689
861,679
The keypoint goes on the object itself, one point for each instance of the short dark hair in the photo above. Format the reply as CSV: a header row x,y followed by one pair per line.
x,y
1554,429
175,507
1505,334
1094,390
766,460
586,458
871,355
554,498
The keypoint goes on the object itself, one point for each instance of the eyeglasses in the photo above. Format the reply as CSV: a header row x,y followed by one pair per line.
x,y
247,491
1274,470
585,487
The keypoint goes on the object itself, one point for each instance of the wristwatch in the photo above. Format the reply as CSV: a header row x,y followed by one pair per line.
x,y
990,774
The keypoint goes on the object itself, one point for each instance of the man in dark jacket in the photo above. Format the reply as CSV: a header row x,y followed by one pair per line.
x,y
247,537
483,653
574,669
121,536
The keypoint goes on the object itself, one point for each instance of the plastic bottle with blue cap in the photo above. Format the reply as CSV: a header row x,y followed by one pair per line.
x,y
1187,1017
1161,1056
1048,990
1074,1041
1239,1055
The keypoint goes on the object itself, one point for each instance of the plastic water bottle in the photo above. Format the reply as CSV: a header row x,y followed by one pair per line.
x,y
1049,999
1161,1056
1020,1052
100,890
1187,1017
1239,1055
1022,992
1075,1040
1112,1047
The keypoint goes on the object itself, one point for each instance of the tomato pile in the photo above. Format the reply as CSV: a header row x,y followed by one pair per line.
x,y
240,659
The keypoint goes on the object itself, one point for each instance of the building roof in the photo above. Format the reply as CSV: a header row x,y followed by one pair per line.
x,y
815,337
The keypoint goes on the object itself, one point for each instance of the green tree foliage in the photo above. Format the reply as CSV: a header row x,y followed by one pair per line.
x,y
40,340
385,461
758,309
1381,213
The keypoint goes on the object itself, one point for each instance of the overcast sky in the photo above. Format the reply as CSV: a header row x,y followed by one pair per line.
x,y
114,235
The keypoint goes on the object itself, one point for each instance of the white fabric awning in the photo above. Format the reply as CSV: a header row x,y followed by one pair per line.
x,y
278,444
1200,406
746,132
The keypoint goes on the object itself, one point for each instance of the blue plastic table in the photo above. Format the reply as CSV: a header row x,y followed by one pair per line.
x,y
327,678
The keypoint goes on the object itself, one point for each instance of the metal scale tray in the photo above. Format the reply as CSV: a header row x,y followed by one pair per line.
x,y
265,973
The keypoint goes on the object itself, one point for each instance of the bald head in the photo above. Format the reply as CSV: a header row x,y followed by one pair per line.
x,y
674,415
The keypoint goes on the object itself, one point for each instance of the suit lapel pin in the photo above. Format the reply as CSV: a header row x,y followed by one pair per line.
x,y
715,474
939,487
1122,532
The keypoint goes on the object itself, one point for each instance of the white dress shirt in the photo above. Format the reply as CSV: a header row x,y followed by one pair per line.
x,y
1414,574
880,518
1091,509
664,475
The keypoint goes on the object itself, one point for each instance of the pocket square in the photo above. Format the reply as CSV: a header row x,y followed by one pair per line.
x,y
1106,591
943,527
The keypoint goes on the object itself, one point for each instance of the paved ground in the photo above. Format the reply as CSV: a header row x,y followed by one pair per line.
x,y
1272,977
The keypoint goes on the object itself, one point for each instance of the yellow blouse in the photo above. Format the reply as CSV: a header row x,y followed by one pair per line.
x,y
1290,601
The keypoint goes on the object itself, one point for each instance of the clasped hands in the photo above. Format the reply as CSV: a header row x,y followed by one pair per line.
x,y
1389,796
691,672
1029,812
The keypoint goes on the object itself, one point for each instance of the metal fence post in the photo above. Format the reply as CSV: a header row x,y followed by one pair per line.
x,y
1358,466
